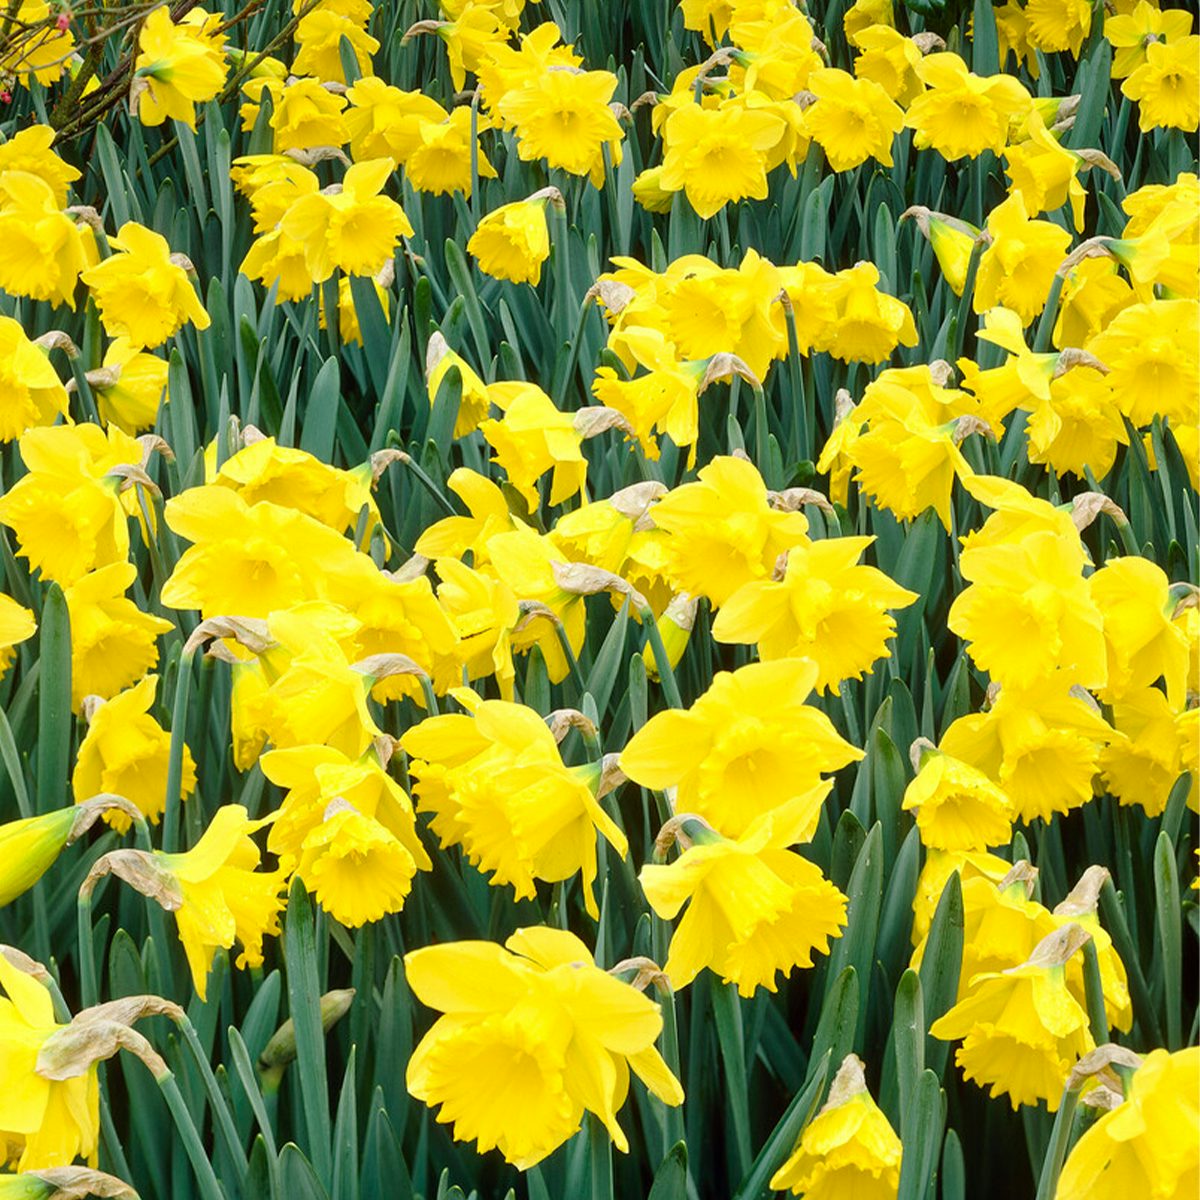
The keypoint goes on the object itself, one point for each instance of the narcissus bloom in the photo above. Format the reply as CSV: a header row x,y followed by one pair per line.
x,y
755,908
29,847
552,1034
319,40
851,119
827,607
304,114
251,559
1132,33
890,59
475,398
1041,747
113,642
125,751
723,532
1056,25
354,230
141,292
385,122
441,162
1145,642
16,625
263,470
848,1149
1028,612
748,745
907,458
30,150
30,390
1167,86
665,400
357,869
563,117
1045,172
44,249
533,437
962,114
496,784
1022,1029
939,866
717,155
66,511
43,53
513,241
43,1122
222,896
1145,758
957,807
1016,270
1153,371
181,65
130,387
866,325
1146,1145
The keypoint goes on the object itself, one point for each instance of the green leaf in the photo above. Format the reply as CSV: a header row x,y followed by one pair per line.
x,y
856,946
941,965
304,1001
321,412
670,1180
730,1036
1169,946
834,1038
908,1031
298,1180
922,1149
786,1133
54,701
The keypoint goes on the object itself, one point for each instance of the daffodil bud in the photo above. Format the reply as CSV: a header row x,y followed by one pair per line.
x,y
281,1048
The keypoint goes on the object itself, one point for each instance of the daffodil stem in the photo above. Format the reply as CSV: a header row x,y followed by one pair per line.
x,y
222,1118
600,1156
179,713
802,419
964,303
562,270
569,654
87,957
731,1038
1056,1151
1041,338
427,690
1093,989
431,487
206,1177
761,434
562,381
475,198
666,674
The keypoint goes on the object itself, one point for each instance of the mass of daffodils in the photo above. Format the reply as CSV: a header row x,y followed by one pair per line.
x,y
599,599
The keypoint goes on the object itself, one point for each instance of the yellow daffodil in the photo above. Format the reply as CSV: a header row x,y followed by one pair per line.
x,y
555,1034
956,806
962,114
848,1149
754,908
563,117
513,241
221,896
531,438
723,532
827,607
1021,1029
1146,1144
748,745
851,119
141,292
1167,86
44,249
180,65
125,751
32,393
496,784
1132,34
441,162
